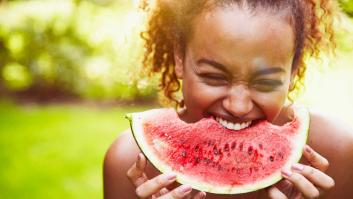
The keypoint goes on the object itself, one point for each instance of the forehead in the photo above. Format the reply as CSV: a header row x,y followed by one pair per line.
x,y
238,32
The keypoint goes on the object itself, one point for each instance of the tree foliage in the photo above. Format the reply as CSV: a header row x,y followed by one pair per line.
x,y
51,49
347,7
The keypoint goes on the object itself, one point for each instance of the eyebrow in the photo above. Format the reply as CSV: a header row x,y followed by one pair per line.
x,y
213,63
265,71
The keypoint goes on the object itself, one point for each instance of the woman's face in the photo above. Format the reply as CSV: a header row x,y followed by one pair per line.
x,y
237,66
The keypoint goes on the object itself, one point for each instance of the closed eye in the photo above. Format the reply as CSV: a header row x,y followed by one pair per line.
x,y
214,79
266,85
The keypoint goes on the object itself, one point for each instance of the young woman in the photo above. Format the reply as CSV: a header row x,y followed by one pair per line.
x,y
238,60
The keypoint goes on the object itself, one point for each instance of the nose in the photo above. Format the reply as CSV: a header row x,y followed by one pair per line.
x,y
238,101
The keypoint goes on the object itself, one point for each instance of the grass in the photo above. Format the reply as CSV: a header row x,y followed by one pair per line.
x,y
55,151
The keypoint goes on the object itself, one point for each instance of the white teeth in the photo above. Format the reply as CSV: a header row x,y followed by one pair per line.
x,y
233,126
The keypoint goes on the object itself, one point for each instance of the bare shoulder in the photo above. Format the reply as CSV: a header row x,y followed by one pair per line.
x,y
333,138
119,158
330,132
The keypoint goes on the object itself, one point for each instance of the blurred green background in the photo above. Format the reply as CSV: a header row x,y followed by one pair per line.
x,y
69,73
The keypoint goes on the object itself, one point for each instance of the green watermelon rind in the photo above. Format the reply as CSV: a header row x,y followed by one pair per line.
x,y
299,141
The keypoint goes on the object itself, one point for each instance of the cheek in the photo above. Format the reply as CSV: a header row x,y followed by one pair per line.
x,y
198,97
271,105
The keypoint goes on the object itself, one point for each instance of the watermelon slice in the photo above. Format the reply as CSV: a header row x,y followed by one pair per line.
x,y
212,158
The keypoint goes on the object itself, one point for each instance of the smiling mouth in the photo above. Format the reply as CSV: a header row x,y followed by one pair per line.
x,y
233,126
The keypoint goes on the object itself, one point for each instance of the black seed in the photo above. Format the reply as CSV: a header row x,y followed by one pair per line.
x,y
196,149
250,150
209,143
226,147
183,154
234,144
260,145
215,151
272,158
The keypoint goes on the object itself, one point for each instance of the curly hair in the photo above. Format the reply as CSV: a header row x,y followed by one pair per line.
x,y
169,23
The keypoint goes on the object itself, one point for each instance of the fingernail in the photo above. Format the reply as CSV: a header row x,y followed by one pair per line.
x,y
202,194
286,173
139,157
297,167
185,189
307,149
170,177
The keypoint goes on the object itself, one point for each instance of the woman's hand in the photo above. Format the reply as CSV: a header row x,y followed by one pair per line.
x,y
304,181
156,187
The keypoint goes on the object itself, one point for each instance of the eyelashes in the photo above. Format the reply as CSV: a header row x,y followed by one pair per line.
x,y
264,85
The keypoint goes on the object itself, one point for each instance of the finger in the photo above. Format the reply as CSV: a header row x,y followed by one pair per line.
x,y
301,183
285,186
200,195
275,193
315,159
315,176
136,172
160,193
163,191
177,193
298,195
155,185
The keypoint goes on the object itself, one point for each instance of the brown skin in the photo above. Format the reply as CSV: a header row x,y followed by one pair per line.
x,y
223,75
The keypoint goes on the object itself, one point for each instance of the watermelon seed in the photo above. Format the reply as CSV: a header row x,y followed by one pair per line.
x,y
209,143
197,159
250,150
183,154
260,145
272,158
226,147
234,144
215,151
196,148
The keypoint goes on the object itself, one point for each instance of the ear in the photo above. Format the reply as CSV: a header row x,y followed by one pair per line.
x,y
179,62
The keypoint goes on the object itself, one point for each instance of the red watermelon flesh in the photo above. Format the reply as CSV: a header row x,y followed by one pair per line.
x,y
215,159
